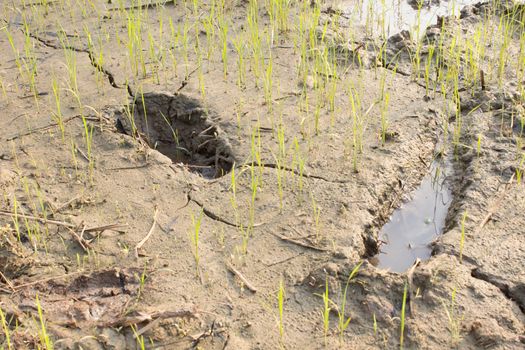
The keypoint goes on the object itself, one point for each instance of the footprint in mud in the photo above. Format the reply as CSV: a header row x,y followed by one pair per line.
x,y
413,226
180,128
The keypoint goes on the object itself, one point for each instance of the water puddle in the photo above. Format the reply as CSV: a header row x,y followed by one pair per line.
x,y
416,223
392,16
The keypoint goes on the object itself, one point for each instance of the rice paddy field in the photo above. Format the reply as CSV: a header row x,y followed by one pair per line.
x,y
262,174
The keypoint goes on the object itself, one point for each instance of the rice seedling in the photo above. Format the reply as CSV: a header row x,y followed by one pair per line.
x,y
16,223
18,59
209,28
200,73
462,239
519,169
245,237
254,186
134,44
358,125
238,43
88,138
174,40
326,313
505,28
416,63
428,65
317,112
268,83
343,320
280,303
300,164
7,331
478,145
223,35
57,116
71,63
139,338
384,101
74,157
332,90
155,58
454,319
45,340
279,171
30,59
195,238
403,315
255,41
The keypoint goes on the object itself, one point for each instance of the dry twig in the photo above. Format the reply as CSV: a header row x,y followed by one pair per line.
x,y
81,241
299,243
145,239
241,277
495,206
7,281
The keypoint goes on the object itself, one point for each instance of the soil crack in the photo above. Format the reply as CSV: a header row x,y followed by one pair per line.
x,y
94,63
513,292
211,214
218,218
296,172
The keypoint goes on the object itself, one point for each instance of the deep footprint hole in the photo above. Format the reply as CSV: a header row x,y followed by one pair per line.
x,y
180,128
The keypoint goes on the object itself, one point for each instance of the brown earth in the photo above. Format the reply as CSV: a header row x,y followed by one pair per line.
x,y
101,287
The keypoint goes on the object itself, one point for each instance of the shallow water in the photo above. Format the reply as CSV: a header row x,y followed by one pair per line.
x,y
416,223
393,16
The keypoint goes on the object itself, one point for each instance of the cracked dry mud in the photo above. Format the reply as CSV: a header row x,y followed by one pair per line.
x,y
314,218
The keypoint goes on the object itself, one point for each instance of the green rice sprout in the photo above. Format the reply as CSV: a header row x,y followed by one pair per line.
x,y
7,332
454,320
45,341
58,115
326,313
280,301
403,314
195,237
343,320
462,239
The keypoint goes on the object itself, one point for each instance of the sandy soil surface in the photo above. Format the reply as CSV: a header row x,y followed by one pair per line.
x,y
149,200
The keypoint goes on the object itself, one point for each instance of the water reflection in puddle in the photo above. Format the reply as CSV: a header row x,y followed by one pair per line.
x,y
416,223
392,16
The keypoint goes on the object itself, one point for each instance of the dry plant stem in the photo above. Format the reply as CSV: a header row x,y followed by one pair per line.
x,y
69,202
81,241
241,277
147,327
142,317
151,230
7,281
42,128
113,227
41,220
299,243
410,275
54,278
494,206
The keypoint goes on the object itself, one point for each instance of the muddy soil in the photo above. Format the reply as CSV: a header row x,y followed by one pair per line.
x,y
102,197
